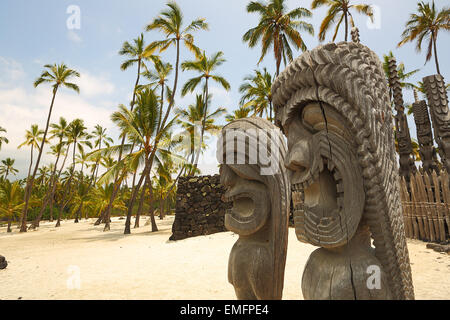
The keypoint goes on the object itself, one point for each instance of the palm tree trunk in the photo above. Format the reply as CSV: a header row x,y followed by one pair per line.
x,y
346,25
78,213
58,222
31,164
162,105
51,208
435,54
270,107
141,205
205,114
100,218
29,187
47,197
116,187
9,226
175,84
152,211
133,199
161,213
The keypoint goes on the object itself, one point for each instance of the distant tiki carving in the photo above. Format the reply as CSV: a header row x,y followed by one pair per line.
x,y
333,105
401,124
260,209
440,115
424,136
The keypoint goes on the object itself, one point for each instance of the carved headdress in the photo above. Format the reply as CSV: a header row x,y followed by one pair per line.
x,y
349,77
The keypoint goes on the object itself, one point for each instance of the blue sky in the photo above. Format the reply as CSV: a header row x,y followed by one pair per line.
x,y
34,33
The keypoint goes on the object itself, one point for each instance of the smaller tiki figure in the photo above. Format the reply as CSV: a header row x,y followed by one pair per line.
x,y
253,172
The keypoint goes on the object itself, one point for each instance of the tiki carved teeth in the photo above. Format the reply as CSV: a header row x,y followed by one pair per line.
x,y
314,175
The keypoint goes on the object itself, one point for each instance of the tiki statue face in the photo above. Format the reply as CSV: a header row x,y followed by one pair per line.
x,y
251,201
324,169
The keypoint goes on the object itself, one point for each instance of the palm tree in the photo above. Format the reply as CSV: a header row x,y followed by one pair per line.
x,y
425,25
342,8
3,139
188,119
11,202
102,196
58,75
170,23
33,138
7,167
141,126
79,138
136,55
205,67
100,136
158,78
60,131
257,93
279,29
242,112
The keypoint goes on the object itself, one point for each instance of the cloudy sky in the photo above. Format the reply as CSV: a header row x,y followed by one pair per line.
x,y
34,33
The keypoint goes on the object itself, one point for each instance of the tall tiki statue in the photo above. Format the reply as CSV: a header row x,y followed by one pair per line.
x,y
440,115
258,186
424,135
333,105
401,124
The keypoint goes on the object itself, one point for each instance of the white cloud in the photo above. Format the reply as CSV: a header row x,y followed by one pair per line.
x,y
73,36
10,71
92,85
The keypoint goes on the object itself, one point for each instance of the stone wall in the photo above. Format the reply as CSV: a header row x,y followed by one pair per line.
x,y
199,208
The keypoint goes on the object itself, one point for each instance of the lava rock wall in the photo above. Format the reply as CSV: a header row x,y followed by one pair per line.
x,y
199,207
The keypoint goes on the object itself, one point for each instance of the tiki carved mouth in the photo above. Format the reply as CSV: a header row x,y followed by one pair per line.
x,y
243,205
319,213
251,203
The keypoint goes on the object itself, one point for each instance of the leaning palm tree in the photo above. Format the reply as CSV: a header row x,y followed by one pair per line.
x,y
278,28
11,202
205,67
241,113
339,10
58,75
257,93
170,23
425,25
33,138
136,54
3,139
7,167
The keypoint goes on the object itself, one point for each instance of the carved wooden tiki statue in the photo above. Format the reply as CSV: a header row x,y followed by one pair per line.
x,y
332,104
257,184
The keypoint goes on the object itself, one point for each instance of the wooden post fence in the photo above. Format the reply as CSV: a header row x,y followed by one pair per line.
x,y
426,206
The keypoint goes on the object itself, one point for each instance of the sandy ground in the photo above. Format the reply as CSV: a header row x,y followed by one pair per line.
x,y
79,261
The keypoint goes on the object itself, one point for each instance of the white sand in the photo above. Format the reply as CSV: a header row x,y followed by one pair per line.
x,y
146,265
